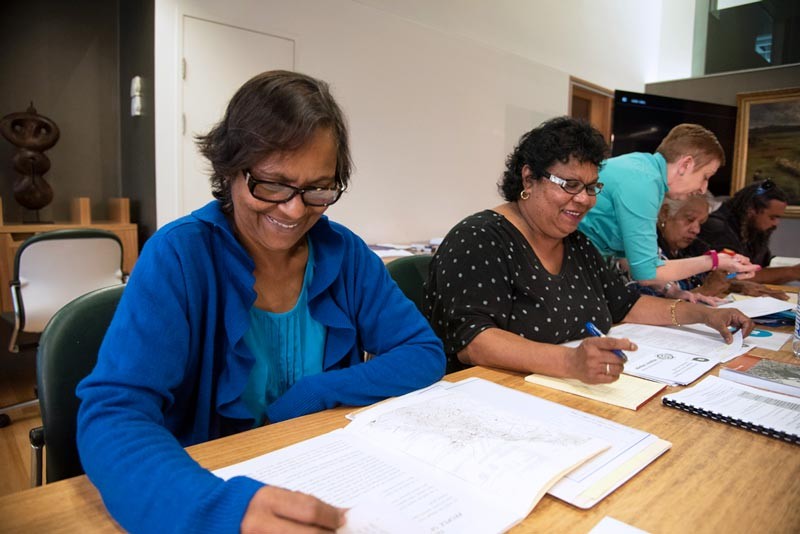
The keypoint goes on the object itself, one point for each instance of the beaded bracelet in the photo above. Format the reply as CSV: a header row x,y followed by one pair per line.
x,y
672,312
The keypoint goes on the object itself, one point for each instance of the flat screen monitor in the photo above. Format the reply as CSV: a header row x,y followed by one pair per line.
x,y
641,121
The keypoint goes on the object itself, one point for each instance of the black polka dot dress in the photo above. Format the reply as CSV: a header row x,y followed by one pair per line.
x,y
486,275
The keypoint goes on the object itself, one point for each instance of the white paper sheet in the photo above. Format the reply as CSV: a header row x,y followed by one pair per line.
x,y
668,366
344,470
759,337
693,339
609,525
758,306
631,449
743,403
437,460
504,453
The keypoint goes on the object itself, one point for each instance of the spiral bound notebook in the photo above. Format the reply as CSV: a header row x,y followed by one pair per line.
x,y
771,414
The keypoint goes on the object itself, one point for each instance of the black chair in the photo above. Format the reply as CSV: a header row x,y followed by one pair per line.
x,y
410,273
50,270
67,353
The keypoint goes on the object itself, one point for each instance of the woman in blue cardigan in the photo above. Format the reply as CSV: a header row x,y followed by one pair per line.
x,y
251,310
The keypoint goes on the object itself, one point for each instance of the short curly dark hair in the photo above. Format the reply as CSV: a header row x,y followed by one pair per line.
x,y
273,112
557,139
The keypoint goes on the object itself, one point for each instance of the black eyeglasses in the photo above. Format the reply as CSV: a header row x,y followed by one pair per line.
x,y
573,187
279,193
765,186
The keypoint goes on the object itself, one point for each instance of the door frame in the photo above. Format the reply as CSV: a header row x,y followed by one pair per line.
x,y
601,103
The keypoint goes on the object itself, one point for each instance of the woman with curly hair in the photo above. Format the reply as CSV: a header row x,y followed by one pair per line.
x,y
511,283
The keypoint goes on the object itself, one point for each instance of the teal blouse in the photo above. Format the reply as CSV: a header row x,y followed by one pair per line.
x,y
287,346
623,221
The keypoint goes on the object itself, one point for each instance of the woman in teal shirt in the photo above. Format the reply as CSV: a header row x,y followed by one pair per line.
x,y
623,222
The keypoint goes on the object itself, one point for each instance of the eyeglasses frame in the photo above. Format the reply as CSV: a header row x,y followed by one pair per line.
x,y
562,183
252,182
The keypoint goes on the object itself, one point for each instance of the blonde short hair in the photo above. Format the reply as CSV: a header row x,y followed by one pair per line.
x,y
691,140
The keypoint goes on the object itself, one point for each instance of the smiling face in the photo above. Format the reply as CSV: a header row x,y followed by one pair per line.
x,y
552,211
681,228
691,179
268,227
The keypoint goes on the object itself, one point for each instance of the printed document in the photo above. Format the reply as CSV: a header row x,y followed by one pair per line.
x,y
697,339
751,406
431,461
758,306
466,457
671,356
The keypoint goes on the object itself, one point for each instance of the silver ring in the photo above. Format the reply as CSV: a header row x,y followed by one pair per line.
x,y
608,369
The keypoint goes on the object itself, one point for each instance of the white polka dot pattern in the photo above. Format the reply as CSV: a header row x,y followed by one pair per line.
x,y
493,279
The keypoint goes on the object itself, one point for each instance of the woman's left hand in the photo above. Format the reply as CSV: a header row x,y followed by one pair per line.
x,y
721,318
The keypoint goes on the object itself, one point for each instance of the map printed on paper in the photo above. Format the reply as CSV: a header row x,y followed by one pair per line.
x,y
481,445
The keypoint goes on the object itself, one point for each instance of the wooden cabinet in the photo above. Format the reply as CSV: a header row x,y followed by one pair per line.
x,y
13,234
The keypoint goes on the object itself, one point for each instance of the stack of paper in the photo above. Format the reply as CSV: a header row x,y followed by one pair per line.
x,y
458,458
675,356
765,412
627,392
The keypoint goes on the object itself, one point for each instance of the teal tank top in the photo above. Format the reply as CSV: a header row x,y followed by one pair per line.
x,y
287,346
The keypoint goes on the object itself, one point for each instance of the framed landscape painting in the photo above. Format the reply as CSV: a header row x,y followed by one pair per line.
x,y
768,142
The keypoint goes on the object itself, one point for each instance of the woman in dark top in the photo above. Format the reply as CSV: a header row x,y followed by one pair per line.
x,y
509,284
679,223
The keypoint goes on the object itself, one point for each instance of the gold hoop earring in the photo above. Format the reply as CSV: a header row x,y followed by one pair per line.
x,y
524,195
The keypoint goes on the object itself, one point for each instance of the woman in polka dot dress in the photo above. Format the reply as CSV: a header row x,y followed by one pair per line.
x,y
509,284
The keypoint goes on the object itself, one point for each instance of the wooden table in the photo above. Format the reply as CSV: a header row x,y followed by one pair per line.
x,y
716,478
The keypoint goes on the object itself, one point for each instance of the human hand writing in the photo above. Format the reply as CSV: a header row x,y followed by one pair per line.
x,y
593,361
274,509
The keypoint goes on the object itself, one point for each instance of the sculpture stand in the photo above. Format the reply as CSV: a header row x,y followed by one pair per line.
x,y
36,217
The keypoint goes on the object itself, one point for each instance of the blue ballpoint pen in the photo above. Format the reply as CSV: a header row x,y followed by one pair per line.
x,y
592,329
730,253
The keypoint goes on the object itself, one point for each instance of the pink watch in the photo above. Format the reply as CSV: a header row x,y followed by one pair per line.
x,y
714,259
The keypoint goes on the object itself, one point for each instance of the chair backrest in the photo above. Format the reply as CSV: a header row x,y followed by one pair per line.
x,y
410,273
67,353
53,268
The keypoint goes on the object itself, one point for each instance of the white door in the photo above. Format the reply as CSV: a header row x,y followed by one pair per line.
x,y
218,59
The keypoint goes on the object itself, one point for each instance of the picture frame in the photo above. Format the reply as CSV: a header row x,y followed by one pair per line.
x,y
767,142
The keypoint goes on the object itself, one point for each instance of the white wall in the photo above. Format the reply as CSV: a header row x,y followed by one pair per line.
x,y
612,43
433,110
676,41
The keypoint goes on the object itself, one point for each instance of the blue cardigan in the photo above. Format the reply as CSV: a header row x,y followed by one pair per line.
x,y
173,366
